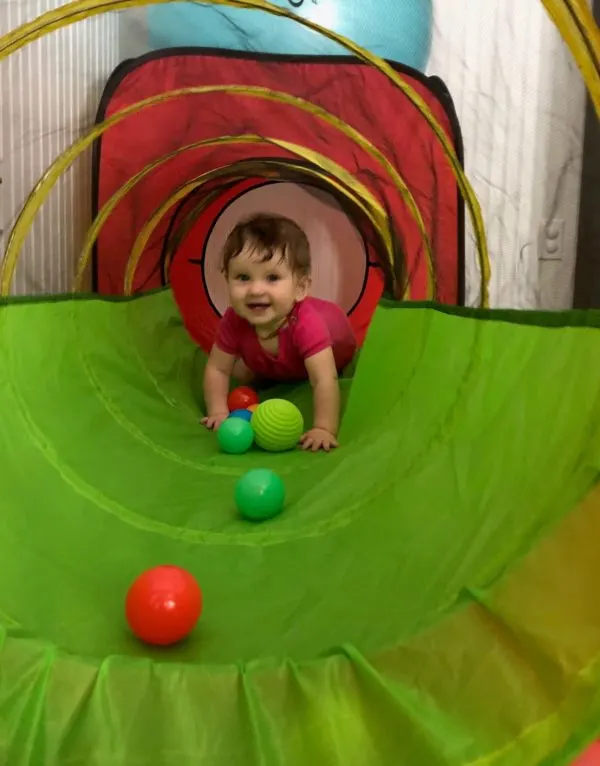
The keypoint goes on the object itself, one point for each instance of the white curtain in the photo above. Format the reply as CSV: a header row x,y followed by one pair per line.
x,y
49,96
521,103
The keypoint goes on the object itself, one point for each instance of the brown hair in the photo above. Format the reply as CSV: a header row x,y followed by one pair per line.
x,y
271,235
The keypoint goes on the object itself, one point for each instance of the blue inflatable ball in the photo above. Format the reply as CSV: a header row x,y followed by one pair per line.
x,y
243,414
394,29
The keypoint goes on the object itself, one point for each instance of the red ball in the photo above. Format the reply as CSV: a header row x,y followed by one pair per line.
x,y
241,398
163,605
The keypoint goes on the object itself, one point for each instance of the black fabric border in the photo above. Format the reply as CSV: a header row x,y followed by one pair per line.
x,y
552,319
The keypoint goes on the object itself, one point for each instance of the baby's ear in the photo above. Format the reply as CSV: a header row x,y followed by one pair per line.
x,y
304,284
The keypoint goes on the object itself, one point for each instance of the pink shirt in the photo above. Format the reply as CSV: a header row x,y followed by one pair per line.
x,y
313,326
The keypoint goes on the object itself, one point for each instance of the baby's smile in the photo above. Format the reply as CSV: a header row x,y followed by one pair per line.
x,y
258,305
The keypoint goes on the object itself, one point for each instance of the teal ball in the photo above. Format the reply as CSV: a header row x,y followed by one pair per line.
x,y
259,495
235,436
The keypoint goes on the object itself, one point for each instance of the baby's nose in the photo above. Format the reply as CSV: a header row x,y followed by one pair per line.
x,y
257,288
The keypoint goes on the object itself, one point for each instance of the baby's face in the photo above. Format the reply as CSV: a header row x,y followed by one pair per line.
x,y
263,292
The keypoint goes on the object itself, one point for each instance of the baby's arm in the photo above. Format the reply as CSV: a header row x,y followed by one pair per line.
x,y
216,386
323,378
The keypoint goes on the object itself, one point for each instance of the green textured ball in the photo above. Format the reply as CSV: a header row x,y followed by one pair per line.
x,y
235,436
259,495
278,425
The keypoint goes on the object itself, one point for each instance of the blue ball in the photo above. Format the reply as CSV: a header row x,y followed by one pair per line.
x,y
392,29
244,414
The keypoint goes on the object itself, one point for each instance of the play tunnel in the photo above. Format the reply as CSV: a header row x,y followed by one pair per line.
x,y
429,596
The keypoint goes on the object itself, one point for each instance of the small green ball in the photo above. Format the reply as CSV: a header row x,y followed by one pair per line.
x,y
259,494
235,436
278,425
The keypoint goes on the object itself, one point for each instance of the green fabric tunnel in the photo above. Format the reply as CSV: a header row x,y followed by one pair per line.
x,y
428,596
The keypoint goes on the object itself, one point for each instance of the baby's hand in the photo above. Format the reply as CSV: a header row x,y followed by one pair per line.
x,y
318,438
214,421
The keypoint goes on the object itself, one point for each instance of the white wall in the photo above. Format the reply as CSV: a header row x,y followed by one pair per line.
x,y
521,102
49,94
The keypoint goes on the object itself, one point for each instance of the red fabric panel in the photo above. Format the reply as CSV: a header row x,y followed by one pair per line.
x,y
357,94
591,757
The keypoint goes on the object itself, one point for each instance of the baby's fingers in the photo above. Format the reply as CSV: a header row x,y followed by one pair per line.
x,y
307,442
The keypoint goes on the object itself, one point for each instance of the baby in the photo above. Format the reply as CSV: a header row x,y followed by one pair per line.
x,y
273,330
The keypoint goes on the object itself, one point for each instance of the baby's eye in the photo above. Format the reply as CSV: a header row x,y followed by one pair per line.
x,y
273,278
242,277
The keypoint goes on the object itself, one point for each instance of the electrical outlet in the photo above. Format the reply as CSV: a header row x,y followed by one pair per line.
x,y
552,240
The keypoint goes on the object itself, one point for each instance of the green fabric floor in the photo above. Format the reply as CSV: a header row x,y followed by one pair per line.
x,y
429,597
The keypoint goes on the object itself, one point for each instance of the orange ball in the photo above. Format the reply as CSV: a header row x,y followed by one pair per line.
x,y
163,605
252,407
